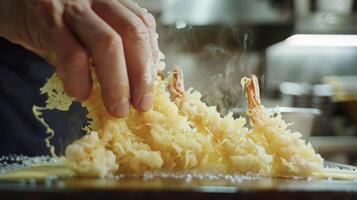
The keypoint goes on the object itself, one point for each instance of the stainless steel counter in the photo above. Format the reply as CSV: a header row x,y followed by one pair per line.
x,y
244,188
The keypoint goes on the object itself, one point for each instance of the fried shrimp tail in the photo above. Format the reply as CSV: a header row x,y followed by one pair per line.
x,y
176,85
292,156
251,86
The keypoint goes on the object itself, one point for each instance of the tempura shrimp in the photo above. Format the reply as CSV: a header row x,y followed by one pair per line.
x,y
233,149
291,155
181,132
285,153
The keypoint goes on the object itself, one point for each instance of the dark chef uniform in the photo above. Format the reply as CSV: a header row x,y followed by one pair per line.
x,y
22,73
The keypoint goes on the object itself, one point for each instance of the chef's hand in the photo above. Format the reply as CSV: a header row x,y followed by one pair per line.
x,y
117,34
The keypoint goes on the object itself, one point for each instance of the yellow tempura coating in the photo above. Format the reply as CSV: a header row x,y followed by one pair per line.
x,y
182,135
291,154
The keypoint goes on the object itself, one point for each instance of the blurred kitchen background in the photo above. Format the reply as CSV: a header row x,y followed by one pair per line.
x,y
304,51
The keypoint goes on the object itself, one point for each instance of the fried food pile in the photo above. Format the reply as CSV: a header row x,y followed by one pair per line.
x,y
182,133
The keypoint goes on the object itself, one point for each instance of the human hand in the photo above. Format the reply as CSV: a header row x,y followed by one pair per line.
x,y
118,35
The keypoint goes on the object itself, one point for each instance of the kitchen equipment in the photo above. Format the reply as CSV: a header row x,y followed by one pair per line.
x,y
193,25
310,58
229,12
325,16
345,93
344,87
310,96
295,94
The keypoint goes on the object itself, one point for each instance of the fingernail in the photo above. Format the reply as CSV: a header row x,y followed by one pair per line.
x,y
146,101
121,109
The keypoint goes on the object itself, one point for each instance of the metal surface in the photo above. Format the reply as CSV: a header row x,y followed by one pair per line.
x,y
291,63
203,185
212,12
61,186
177,189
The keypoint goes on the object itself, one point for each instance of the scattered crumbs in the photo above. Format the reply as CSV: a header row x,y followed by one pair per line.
x,y
13,162
188,176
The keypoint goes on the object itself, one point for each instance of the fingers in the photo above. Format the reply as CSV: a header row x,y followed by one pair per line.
x,y
71,63
69,58
106,48
150,23
136,40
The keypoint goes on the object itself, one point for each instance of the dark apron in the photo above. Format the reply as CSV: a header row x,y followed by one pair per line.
x,y
22,73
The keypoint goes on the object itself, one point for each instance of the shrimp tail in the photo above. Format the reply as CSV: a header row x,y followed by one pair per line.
x,y
251,86
176,85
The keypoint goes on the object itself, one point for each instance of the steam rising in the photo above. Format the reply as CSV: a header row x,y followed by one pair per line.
x,y
224,92
213,61
224,88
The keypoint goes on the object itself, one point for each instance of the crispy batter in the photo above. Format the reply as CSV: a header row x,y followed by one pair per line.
x,y
183,133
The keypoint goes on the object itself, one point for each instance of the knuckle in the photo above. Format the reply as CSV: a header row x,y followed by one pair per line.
x,y
148,19
108,40
76,8
137,30
144,80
